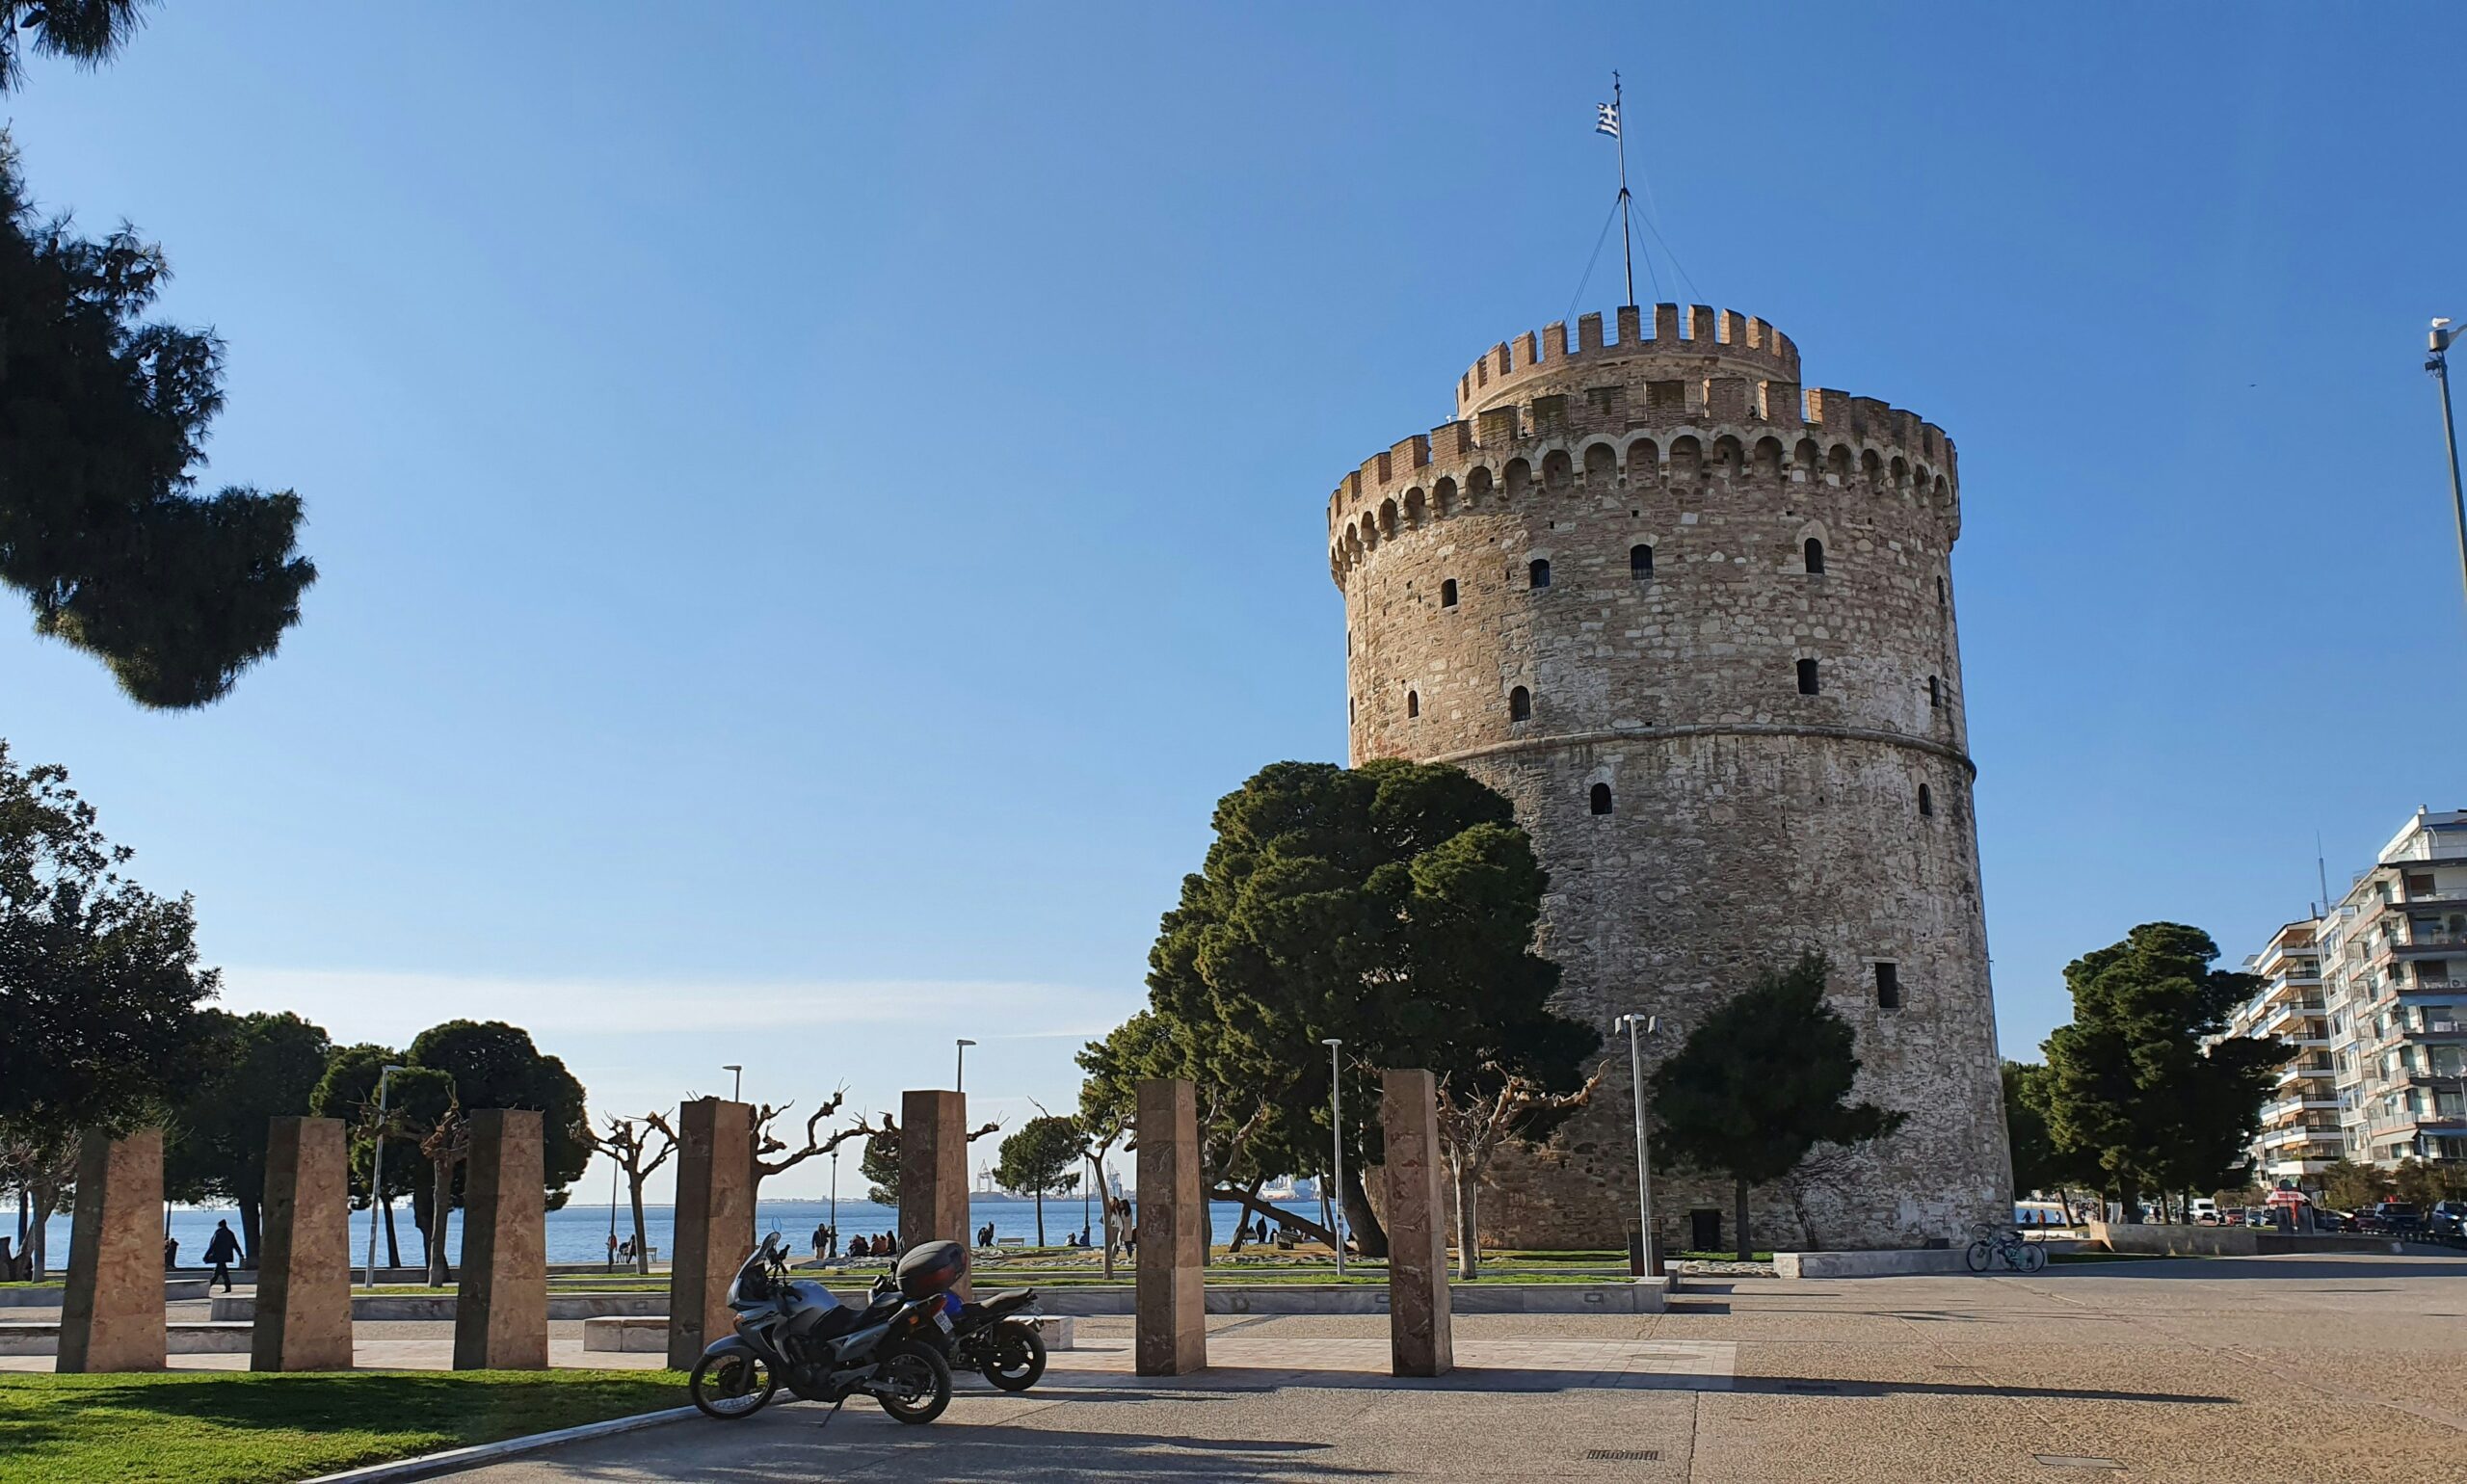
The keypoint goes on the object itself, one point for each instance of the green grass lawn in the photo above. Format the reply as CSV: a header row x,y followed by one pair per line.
x,y
234,1427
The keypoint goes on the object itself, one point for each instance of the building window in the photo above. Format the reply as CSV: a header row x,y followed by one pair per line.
x,y
1814,553
1520,704
1939,592
1601,798
1537,573
1448,593
1926,802
1640,562
1888,987
1412,704
1807,677
1349,709
1935,693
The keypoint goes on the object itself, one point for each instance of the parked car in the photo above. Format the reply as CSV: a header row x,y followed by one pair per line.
x,y
2449,1218
2206,1212
2398,1218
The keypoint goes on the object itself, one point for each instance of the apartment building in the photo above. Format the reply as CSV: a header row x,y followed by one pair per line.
x,y
2300,1132
2393,965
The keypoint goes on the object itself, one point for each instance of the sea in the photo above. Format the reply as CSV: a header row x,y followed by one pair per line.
x,y
578,1232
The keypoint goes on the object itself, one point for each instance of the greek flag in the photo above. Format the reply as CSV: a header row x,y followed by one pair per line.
x,y
1606,119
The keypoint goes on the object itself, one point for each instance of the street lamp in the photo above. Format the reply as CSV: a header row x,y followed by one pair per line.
x,y
2438,364
1337,1138
377,1169
959,1076
1634,1026
738,1095
624,1126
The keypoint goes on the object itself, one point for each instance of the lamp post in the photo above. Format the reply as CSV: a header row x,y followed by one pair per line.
x,y
959,1074
2438,364
1646,1025
737,1096
377,1168
625,1126
1337,1139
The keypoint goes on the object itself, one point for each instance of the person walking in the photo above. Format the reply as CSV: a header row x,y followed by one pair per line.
x,y
220,1250
819,1232
171,1252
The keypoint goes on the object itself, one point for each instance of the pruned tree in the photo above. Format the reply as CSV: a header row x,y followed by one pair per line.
x,y
880,1164
1478,1115
1039,1158
631,1144
1101,1128
775,1155
1760,1081
445,1146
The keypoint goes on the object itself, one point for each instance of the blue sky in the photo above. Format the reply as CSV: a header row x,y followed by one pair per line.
x,y
816,502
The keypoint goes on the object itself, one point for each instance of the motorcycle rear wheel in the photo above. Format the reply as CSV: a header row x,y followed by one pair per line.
x,y
919,1382
1015,1356
729,1387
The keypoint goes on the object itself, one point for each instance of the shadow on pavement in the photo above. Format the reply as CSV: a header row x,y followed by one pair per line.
x,y
1808,1386
972,1453
1468,1378
2279,1267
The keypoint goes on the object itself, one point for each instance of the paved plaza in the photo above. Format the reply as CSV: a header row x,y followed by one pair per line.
x,y
2294,1368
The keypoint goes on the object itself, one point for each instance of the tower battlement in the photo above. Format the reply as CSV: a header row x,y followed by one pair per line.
x,y
1701,342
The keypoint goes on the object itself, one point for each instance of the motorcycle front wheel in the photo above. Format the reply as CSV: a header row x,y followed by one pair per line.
x,y
1015,1356
731,1386
916,1383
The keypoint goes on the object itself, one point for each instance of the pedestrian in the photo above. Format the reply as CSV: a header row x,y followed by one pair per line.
x,y
817,1242
171,1252
856,1247
612,1252
220,1250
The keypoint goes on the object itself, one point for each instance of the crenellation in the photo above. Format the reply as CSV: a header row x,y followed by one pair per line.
x,y
1588,333
1555,343
1701,326
1630,326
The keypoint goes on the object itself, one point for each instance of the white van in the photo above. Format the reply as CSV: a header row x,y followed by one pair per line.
x,y
2206,1210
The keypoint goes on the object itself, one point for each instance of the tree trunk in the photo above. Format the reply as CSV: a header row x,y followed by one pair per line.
x,y
641,1253
1368,1234
1040,1194
393,1243
1105,1210
249,1231
1327,1216
1242,1223
440,1206
1747,1248
1468,1255
38,1246
1302,1224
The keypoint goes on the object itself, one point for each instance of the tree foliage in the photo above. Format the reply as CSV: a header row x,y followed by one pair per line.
x,y
1391,905
1763,1080
495,1065
83,32
2038,1164
1042,1159
248,1068
99,985
103,419
2134,1090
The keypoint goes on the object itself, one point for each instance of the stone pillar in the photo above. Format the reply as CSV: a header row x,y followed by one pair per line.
x,y
501,1307
933,1170
1418,1339
714,1223
304,1274
112,1316
1172,1325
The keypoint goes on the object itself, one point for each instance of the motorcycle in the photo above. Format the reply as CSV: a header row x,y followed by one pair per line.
x,y
797,1333
1009,1351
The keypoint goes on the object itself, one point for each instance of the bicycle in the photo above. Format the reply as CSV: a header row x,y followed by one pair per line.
x,y
2006,1245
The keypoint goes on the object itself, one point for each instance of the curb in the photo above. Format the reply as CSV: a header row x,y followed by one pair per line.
x,y
429,1466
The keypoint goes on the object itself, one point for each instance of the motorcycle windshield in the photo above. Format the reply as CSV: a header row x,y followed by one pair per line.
x,y
752,1283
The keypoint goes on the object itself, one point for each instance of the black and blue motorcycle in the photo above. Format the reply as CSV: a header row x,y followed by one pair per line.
x,y
795,1334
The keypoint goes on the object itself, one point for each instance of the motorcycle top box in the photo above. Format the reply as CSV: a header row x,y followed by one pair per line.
x,y
930,1268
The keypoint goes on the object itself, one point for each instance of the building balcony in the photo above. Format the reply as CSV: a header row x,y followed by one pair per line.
x,y
2298,1133
2290,1107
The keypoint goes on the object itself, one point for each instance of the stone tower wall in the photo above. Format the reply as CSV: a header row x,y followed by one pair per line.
x,y
1746,820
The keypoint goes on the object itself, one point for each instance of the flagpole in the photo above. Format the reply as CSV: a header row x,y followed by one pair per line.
x,y
1627,246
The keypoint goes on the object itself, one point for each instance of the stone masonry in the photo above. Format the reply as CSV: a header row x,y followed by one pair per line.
x,y
110,1317
1606,588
